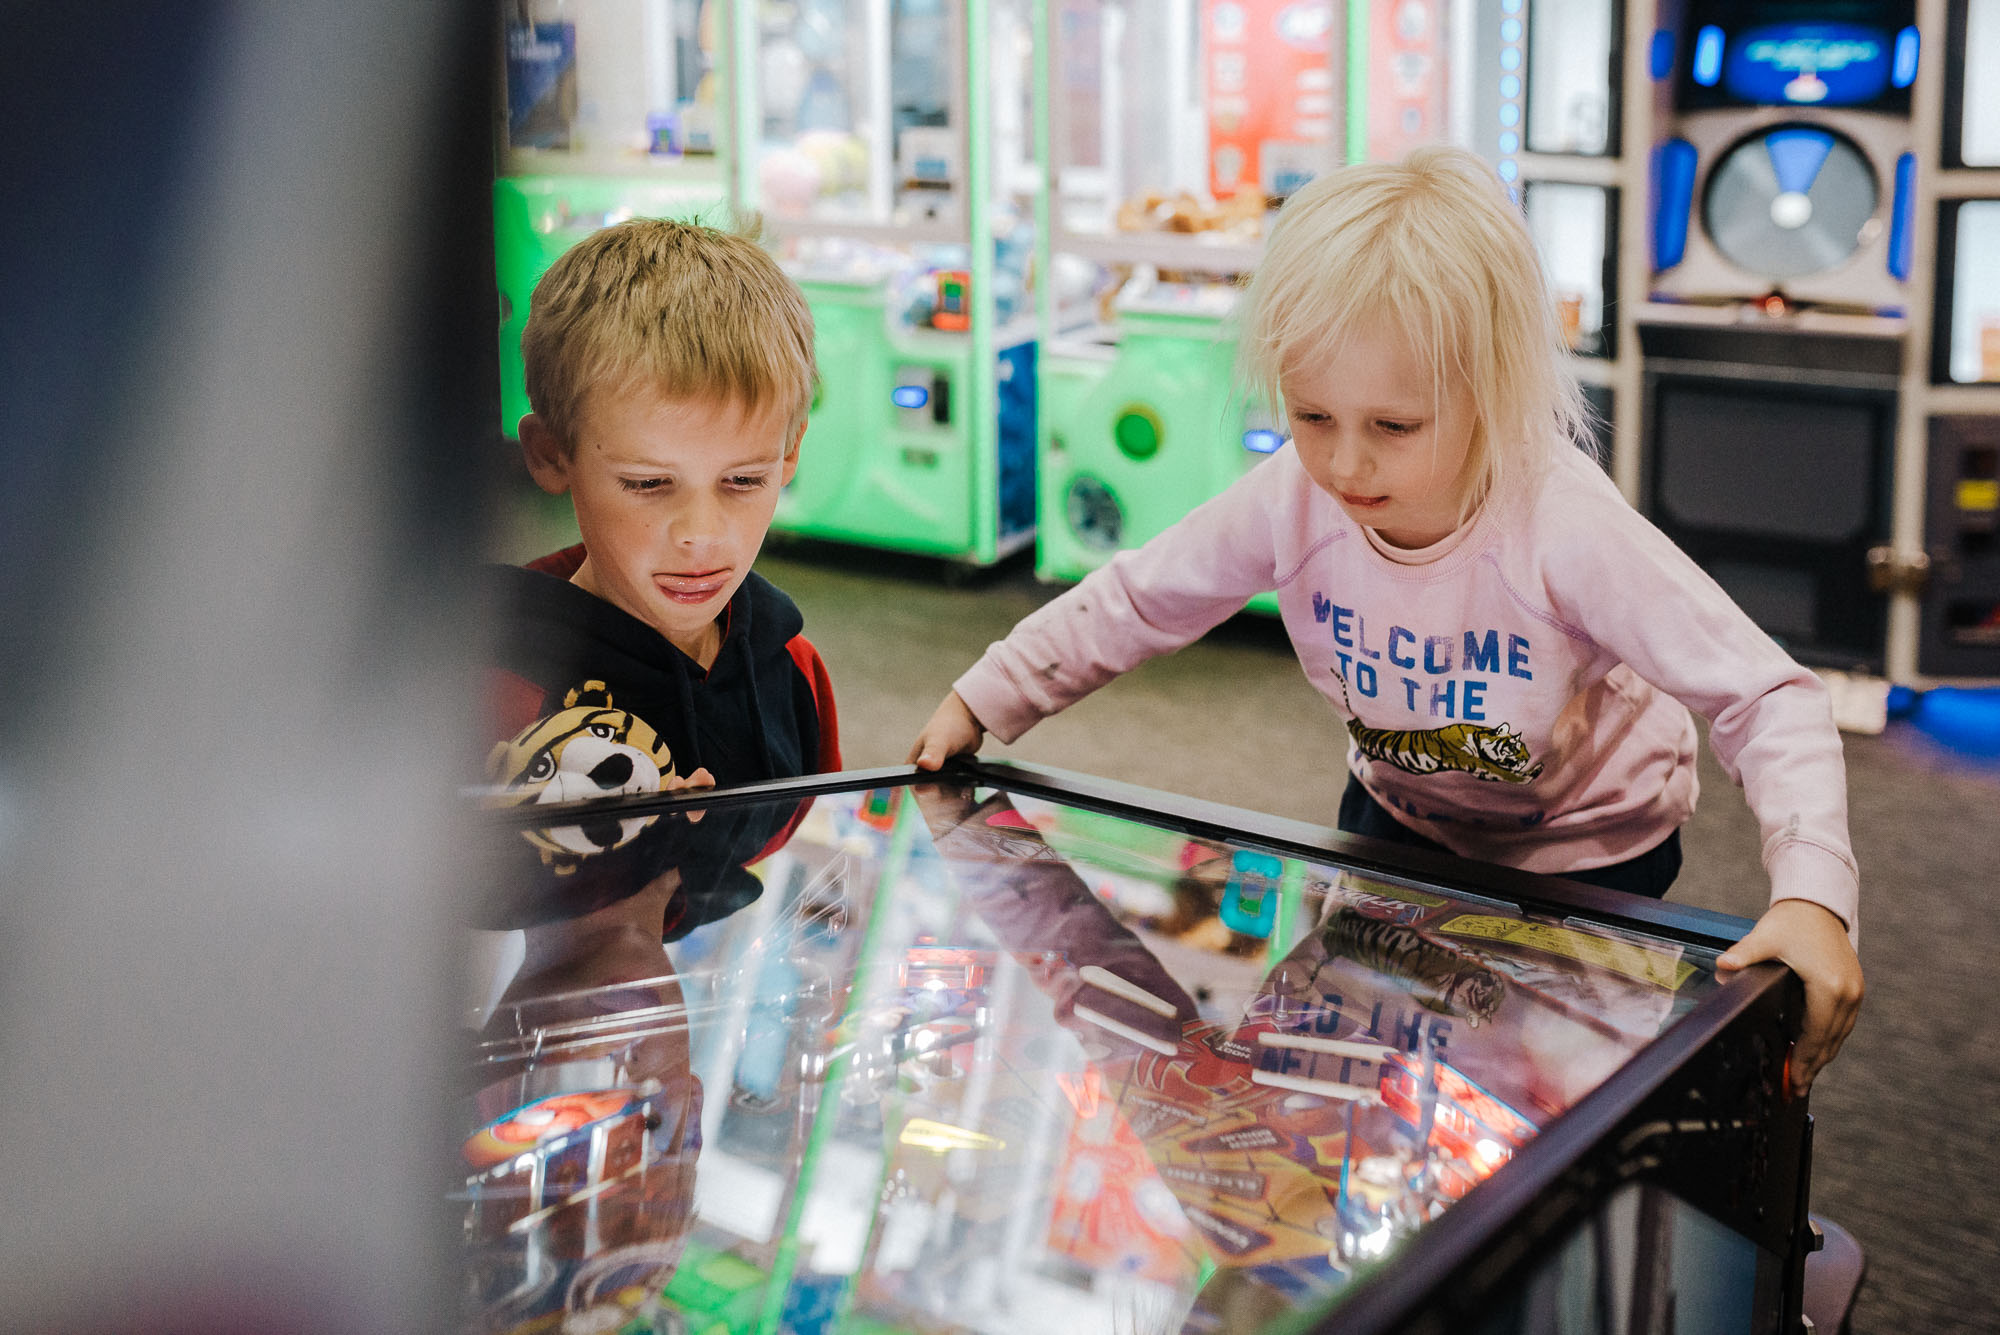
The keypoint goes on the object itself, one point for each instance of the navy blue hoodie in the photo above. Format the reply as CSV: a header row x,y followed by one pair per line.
x,y
585,700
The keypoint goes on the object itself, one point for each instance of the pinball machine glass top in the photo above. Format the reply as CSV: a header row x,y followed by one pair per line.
x,y
964,1049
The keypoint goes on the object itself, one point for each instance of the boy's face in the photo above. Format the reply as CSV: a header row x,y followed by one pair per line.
x,y
673,497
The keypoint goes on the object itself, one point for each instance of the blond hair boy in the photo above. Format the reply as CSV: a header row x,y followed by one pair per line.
x,y
670,370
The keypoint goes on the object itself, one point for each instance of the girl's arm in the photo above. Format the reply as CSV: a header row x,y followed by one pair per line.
x,y
1645,602
1141,604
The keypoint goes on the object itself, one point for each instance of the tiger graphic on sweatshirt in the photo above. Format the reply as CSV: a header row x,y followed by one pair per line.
x,y
1491,754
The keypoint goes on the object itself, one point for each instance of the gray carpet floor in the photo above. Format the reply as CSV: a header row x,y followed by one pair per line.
x,y
1904,1158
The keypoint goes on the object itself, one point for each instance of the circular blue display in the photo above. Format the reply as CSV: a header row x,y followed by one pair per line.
x,y
1510,114
1510,85
1510,30
1510,58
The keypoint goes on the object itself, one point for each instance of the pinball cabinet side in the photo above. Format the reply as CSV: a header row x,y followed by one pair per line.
x,y
1674,1198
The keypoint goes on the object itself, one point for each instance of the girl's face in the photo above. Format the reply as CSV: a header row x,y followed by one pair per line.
x,y
1381,436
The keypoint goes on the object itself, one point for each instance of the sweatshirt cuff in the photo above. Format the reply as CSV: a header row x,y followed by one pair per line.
x,y
1000,709
1801,870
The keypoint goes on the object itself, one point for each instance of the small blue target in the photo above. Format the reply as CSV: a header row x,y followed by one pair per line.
x,y
909,396
1262,440
1905,72
1708,44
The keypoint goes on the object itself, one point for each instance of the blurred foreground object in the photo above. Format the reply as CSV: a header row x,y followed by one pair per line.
x,y
248,362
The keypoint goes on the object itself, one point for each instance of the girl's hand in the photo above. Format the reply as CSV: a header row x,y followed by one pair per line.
x,y
1813,941
952,731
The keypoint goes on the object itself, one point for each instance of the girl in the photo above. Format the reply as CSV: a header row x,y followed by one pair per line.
x,y
1513,648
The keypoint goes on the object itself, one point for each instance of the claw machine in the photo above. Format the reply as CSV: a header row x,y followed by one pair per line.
x,y
1176,129
889,152
612,109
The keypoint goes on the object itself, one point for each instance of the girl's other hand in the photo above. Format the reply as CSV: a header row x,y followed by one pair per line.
x,y
1814,942
952,731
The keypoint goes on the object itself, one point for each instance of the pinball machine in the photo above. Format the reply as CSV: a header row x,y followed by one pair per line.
x,y
1006,1048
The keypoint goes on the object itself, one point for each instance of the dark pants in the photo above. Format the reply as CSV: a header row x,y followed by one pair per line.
x,y
1649,874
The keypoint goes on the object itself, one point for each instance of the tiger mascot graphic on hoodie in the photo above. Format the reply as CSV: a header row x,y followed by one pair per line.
x,y
588,748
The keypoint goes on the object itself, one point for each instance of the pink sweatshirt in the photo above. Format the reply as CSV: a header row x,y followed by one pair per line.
x,y
1518,692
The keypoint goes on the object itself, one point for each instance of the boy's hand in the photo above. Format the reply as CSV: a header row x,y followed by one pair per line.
x,y
952,731
1813,941
701,778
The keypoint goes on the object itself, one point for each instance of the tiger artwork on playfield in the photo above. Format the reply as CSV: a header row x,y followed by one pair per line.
x,y
588,748
1439,978
1490,754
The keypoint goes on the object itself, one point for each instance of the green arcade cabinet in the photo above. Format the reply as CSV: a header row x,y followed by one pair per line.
x,y
611,111
1173,130
888,156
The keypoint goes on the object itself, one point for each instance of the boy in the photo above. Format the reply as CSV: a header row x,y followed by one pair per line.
x,y
670,369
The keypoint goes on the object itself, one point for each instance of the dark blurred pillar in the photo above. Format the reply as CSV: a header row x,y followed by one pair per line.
x,y
248,382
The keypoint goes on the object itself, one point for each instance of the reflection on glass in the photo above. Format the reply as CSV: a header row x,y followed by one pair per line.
x,y
1569,76
1979,128
955,1059
1643,1260
1975,294
1569,223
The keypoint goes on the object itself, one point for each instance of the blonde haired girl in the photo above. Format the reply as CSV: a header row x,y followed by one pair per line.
x,y
1513,649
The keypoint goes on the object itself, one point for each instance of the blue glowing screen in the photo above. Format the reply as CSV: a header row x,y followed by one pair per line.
x,y
909,396
1797,155
1262,440
1807,64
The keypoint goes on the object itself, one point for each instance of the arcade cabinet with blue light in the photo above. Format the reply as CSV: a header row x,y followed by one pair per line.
x,y
1773,336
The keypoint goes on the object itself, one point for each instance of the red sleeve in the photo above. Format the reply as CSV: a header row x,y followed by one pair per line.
x,y
563,564
512,703
813,668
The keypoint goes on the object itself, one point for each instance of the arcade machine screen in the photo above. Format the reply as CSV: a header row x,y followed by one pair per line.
x,y
1010,1050
1862,53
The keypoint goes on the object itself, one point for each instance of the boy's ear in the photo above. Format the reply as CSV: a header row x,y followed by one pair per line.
x,y
792,455
548,461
